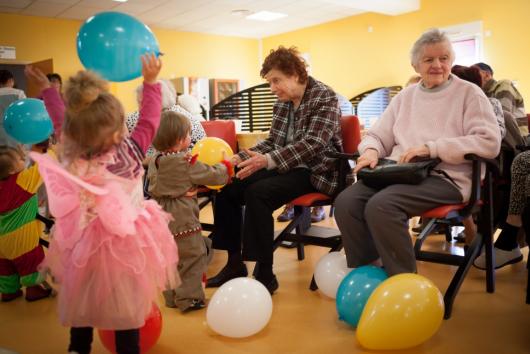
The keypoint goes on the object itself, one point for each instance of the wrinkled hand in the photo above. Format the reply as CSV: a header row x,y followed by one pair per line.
x,y
255,163
151,66
36,76
369,158
411,153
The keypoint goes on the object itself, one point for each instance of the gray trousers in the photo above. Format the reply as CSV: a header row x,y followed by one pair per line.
x,y
374,223
195,252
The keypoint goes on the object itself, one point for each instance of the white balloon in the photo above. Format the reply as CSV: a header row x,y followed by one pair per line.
x,y
329,272
240,308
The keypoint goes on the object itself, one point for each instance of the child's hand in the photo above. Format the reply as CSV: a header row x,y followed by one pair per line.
x,y
235,160
151,66
192,192
37,77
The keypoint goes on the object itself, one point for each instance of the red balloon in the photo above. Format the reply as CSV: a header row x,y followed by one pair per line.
x,y
149,333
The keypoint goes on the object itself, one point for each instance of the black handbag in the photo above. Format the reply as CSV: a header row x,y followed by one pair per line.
x,y
388,172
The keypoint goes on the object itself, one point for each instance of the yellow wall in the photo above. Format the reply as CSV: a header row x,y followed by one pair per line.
x,y
343,53
186,54
350,59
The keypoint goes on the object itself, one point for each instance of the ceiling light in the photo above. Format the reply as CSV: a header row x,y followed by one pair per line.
x,y
266,16
120,0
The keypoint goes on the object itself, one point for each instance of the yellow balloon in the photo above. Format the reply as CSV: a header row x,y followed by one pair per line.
x,y
210,151
404,311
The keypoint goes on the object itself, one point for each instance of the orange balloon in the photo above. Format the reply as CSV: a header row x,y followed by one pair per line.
x,y
210,151
403,311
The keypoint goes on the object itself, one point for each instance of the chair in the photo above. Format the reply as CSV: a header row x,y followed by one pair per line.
x,y
222,129
351,137
481,204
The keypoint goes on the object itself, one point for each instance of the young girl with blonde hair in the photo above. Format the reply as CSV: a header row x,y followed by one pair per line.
x,y
111,251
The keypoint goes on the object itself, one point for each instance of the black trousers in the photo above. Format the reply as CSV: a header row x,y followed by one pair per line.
x,y
261,193
127,341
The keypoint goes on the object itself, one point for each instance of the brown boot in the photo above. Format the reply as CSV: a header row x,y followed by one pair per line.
x,y
11,297
37,292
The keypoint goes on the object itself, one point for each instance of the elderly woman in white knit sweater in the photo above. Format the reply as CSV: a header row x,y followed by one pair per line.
x,y
441,116
169,102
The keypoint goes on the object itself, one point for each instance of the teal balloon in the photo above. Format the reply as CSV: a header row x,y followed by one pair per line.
x,y
354,291
27,121
111,43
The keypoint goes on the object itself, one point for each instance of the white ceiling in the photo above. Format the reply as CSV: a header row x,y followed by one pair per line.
x,y
214,16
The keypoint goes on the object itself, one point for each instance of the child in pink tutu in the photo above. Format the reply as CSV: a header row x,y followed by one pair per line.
x,y
111,251
173,176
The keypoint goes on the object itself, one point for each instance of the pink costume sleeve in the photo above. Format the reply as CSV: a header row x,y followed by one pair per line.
x,y
149,119
55,107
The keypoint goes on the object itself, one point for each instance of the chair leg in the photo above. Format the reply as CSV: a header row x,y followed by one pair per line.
x,y
528,284
313,286
305,215
486,229
460,274
422,236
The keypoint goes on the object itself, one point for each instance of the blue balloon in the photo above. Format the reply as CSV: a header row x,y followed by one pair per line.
x,y
354,291
27,121
111,44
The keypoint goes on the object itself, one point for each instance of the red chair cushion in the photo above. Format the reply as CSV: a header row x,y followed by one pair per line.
x,y
442,211
308,199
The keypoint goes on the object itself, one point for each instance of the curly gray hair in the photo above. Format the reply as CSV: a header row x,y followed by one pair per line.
x,y
432,36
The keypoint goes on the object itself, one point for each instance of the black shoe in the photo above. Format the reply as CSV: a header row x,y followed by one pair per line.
x,y
271,285
229,272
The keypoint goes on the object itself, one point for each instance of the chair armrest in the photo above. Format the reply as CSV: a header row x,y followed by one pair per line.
x,y
344,156
476,182
491,163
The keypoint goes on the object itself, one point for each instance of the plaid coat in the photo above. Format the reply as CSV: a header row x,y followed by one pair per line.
x,y
316,133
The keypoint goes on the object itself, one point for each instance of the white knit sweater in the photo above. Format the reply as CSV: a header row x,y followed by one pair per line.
x,y
452,120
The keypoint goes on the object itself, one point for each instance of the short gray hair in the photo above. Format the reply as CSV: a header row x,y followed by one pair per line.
x,y
432,36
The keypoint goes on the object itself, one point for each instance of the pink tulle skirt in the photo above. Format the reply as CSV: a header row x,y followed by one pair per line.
x,y
110,281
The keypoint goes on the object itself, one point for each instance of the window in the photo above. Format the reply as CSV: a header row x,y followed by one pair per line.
x,y
372,106
467,42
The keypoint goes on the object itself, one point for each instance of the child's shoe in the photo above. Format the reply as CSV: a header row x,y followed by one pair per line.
x,y
195,304
12,296
37,292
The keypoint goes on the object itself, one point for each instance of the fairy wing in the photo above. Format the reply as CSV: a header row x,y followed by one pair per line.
x,y
112,205
115,210
62,186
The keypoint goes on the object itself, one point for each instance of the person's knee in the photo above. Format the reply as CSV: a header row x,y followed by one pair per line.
x,y
343,206
376,208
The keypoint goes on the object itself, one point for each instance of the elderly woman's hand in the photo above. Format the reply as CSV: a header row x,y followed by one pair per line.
x,y
411,153
151,66
256,162
369,158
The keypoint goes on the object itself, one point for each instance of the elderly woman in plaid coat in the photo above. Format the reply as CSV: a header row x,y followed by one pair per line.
x,y
291,162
